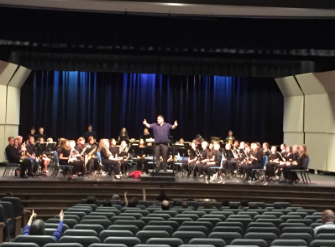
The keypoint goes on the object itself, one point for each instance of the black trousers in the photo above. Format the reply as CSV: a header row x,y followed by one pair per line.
x,y
291,176
26,165
230,166
142,164
247,169
161,150
92,164
270,169
115,163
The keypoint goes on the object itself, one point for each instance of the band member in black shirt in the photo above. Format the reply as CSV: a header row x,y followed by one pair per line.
x,y
283,149
41,134
123,136
201,157
30,153
14,157
124,155
255,161
266,149
80,144
90,133
229,160
41,154
142,162
191,159
32,133
230,138
107,157
91,159
113,149
273,162
146,135
298,162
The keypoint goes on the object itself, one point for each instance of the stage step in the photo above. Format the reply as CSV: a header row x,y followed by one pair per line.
x,y
159,176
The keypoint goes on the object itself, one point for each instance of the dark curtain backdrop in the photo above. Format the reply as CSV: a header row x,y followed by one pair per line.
x,y
64,103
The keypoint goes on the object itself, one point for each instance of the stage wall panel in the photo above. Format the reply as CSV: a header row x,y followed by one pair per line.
x,y
3,142
317,145
317,83
292,138
317,113
6,72
331,151
13,106
288,86
3,94
293,114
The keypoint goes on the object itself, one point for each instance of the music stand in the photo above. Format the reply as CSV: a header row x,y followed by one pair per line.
x,y
40,147
151,140
50,147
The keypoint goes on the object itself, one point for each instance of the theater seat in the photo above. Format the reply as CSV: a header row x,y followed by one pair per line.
x,y
208,241
18,244
63,245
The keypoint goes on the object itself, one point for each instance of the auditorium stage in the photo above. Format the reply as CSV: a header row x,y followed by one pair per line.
x,y
317,180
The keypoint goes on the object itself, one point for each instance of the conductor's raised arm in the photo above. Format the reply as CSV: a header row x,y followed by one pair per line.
x,y
146,124
175,125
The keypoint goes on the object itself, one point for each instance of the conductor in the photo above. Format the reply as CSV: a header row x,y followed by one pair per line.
x,y
161,135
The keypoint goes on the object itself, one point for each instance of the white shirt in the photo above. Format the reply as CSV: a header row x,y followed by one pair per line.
x,y
327,225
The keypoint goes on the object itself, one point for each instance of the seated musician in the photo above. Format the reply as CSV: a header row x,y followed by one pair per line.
x,y
283,149
30,153
142,162
90,156
216,161
14,157
80,144
68,156
229,161
146,135
123,136
299,161
107,157
266,150
191,159
113,149
254,161
124,156
40,153
236,145
61,142
202,159
230,138
273,163
286,158
213,159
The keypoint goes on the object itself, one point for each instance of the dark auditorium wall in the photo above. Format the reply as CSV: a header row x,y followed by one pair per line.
x,y
65,102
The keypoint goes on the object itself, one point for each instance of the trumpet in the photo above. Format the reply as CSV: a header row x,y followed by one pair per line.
x,y
89,156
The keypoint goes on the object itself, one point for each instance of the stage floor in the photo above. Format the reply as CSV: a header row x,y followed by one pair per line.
x,y
317,180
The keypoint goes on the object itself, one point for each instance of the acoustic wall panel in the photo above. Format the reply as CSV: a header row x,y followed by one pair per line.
x,y
7,71
292,138
293,114
288,86
13,106
331,98
20,77
317,148
330,153
11,130
317,83
317,113
3,101
3,142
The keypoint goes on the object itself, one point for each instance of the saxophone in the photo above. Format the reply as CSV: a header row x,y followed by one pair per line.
x,y
89,156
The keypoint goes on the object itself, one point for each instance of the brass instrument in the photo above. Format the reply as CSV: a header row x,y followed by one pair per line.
x,y
89,156
230,140
73,157
23,146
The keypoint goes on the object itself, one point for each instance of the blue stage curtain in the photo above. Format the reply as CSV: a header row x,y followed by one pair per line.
x,y
64,103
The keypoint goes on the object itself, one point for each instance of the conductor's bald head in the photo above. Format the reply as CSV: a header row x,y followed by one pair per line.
x,y
327,216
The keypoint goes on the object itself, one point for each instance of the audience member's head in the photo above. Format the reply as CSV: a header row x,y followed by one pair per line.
x,y
37,228
116,197
90,200
207,205
133,202
184,205
253,206
244,203
225,203
165,205
107,203
233,206
327,216
9,194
